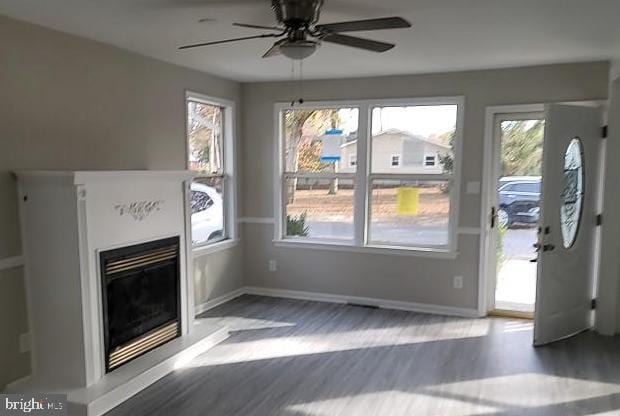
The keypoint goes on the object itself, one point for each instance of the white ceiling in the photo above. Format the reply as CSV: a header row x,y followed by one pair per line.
x,y
448,35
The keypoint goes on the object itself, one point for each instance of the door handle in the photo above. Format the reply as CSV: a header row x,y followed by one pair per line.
x,y
533,260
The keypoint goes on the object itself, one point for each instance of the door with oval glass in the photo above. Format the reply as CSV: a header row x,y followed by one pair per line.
x,y
566,238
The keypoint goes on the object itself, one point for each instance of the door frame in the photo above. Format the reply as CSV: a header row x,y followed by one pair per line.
x,y
487,262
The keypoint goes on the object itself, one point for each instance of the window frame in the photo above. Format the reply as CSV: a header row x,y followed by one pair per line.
x,y
229,195
363,178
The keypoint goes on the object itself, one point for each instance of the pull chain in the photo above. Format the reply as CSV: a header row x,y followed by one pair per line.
x,y
298,81
301,82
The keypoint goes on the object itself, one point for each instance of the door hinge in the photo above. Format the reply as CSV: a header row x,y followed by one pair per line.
x,y
604,130
599,220
593,304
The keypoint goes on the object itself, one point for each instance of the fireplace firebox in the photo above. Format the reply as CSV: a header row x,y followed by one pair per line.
x,y
141,299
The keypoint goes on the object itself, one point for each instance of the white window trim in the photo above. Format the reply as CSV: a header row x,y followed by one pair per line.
x,y
399,164
363,177
229,167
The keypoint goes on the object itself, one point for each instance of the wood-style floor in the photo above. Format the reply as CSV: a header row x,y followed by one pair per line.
x,y
300,358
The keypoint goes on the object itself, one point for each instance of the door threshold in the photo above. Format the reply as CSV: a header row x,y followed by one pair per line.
x,y
502,313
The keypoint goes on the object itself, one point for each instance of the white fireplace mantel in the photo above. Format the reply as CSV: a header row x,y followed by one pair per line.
x,y
68,218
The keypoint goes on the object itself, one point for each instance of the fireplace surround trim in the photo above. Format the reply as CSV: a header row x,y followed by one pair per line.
x,y
74,216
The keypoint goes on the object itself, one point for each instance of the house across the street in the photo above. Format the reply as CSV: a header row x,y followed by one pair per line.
x,y
399,152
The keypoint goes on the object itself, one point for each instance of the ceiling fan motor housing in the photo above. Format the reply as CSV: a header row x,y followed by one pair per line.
x,y
297,13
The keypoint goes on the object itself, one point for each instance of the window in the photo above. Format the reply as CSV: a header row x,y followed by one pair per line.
x,y
395,161
410,213
352,160
209,141
430,161
367,202
572,192
318,195
411,207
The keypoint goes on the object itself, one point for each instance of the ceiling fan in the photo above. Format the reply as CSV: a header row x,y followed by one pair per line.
x,y
301,34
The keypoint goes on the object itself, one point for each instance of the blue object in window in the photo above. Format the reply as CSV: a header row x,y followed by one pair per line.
x,y
333,132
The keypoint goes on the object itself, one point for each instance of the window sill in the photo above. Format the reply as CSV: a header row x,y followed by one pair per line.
x,y
200,251
369,249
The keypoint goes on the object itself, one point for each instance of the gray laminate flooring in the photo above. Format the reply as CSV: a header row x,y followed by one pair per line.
x,y
301,358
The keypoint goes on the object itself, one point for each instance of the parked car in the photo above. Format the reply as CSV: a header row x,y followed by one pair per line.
x,y
207,213
519,200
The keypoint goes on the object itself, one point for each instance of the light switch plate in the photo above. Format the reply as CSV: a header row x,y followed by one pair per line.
x,y
458,282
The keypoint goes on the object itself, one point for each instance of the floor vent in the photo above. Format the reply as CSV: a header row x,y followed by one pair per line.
x,y
362,305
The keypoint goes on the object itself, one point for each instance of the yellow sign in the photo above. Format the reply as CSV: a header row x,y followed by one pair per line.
x,y
407,201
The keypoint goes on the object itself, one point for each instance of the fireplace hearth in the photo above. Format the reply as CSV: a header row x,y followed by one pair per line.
x,y
141,302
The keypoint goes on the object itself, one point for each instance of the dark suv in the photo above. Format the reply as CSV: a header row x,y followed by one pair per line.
x,y
519,199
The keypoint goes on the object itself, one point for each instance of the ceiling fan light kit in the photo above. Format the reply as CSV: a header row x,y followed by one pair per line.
x,y
301,35
298,49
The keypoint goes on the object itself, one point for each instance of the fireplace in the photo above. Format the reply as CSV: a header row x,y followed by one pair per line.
x,y
141,299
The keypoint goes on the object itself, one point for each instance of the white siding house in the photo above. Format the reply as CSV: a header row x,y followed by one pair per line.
x,y
398,152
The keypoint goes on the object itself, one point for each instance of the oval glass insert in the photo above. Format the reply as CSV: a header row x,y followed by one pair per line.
x,y
572,192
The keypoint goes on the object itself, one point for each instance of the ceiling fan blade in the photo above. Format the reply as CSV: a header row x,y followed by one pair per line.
x,y
204,3
278,29
355,42
217,42
273,51
370,24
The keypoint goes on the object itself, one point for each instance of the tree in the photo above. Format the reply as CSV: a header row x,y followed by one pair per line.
x,y
300,122
205,136
310,157
522,145
446,160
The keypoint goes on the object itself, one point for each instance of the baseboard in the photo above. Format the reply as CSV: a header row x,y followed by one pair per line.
x,y
382,303
11,262
212,303
16,385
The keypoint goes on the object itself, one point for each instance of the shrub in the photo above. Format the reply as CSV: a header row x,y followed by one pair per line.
x,y
297,225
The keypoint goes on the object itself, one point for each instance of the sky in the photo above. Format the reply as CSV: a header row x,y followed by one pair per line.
x,y
423,120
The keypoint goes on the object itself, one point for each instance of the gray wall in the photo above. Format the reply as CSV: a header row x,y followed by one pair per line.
x,y
404,278
71,103
608,307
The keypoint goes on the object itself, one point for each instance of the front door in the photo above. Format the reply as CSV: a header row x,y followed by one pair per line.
x,y
566,235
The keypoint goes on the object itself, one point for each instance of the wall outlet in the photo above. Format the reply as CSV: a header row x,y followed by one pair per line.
x,y
273,265
24,342
458,282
